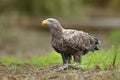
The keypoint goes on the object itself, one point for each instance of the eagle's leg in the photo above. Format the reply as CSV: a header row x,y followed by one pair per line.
x,y
77,58
66,61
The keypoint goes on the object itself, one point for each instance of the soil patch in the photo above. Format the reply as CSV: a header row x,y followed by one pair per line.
x,y
27,72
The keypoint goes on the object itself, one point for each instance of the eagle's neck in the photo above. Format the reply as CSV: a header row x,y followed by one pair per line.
x,y
57,31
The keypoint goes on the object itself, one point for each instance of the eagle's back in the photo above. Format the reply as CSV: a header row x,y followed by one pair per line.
x,y
73,41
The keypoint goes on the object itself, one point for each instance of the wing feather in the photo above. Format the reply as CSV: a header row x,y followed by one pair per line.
x,y
80,40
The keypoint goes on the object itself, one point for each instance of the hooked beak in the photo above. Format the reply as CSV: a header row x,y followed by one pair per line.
x,y
44,22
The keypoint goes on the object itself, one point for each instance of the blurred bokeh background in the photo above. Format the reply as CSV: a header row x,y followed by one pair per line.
x,y
21,33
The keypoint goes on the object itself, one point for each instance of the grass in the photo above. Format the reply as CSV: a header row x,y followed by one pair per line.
x,y
51,58
44,61
100,58
115,35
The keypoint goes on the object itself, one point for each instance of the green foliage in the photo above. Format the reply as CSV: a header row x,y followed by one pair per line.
x,y
47,7
102,59
114,5
10,60
51,58
99,58
55,7
115,35
99,3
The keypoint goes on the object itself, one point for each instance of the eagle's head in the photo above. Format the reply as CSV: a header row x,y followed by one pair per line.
x,y
53,25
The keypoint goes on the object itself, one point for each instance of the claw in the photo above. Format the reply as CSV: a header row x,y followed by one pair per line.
x,y
74,66
63,67
66,66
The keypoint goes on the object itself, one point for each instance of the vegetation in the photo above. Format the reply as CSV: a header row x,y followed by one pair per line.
x,y
101,58
115,35
43,61
55,7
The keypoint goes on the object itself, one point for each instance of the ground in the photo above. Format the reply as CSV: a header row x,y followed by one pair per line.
x,y
27,72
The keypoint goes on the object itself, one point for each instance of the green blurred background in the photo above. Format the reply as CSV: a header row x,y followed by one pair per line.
x,y
21,33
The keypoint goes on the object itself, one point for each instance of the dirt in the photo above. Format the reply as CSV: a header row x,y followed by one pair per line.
x,y
27,72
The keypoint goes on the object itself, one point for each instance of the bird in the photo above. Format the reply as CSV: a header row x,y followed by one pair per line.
x,y
70,42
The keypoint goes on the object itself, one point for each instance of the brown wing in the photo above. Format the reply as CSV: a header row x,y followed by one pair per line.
x,y
80,40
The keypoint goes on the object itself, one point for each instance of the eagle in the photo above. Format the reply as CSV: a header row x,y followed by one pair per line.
x,y
69,42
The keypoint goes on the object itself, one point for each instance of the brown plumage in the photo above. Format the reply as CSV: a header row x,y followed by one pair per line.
x,y
69,42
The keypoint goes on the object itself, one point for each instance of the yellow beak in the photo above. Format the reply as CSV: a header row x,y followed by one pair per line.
x,y
44,22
